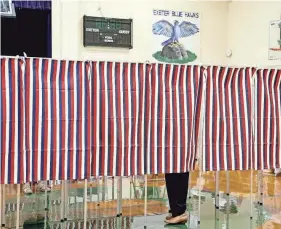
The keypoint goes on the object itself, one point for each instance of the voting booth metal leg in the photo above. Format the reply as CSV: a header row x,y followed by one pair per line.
x,y
228,198
119,196
62,201
251,199
217,204
18,206
2,205
85,203
145,201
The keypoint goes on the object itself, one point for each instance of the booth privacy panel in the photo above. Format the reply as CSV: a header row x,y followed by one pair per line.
x,y
73,120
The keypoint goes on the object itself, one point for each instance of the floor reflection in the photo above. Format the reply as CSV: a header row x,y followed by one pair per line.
x,y
207,208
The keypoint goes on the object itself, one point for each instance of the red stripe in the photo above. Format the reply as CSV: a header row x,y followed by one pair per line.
x,y
27,117
272,139
277,105
80,103
161,121
243,125
4,119
46,111
208,121
102,113
222,115
175,123
119,128
134,118
168,110
72,121
152,142
265,119
63,118
126,119
88,123
182,116
215,115
94,118
235,118
141,110
22,123
227,96
54,130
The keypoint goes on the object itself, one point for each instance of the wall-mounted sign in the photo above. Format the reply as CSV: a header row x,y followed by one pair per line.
x,y
274,51
107,32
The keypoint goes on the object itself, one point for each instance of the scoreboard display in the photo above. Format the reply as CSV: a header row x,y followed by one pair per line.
x,y
107,32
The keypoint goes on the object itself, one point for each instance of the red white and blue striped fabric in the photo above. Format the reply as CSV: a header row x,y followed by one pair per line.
x,y
227,138
120,115
175,98
12,122
267,103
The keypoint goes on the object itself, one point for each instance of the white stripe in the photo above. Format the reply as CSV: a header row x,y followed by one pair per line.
x,y
114,146
247,140
106,117
57,120
122,119
66,119
97,120
238,120
262,121
274,137
24,121
148,151
163,118
156,162
16,111
210,120
49,150
194,71
218,120
185,128
268,120
231,121
143,120
170,144
179,158
255,115
130,120
75,120
223,118
31,121
83,150
279,109
40,117
137,119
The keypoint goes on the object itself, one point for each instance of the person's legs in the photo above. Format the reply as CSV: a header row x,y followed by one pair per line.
x,y
177,188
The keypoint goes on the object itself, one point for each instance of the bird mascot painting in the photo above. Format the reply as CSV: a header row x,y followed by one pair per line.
x,y
173,50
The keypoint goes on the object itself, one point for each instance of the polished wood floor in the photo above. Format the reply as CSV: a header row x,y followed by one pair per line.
x,y
237,182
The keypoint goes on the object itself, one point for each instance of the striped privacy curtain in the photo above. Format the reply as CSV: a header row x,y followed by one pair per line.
x,y
267,103
227,138
73,120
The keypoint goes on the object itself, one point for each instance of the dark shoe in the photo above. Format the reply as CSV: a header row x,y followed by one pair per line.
x,y
181,219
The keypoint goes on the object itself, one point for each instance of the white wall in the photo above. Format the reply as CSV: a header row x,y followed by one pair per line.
x,y
248,31
67,35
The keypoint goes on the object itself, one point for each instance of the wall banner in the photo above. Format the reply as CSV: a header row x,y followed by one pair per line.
x,y
175,36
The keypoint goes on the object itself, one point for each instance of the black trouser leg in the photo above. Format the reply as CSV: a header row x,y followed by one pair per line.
x,y
177,188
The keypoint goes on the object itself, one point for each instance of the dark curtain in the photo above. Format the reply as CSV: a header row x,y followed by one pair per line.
x,y
30,31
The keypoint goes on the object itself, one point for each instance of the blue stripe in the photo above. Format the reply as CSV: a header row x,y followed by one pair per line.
x,y
68,91
181,111
53,117
86,152
125,143
10,102
78,121
61,91
133,115
109,89
20,120
43,163
100,116
166,122
117,66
